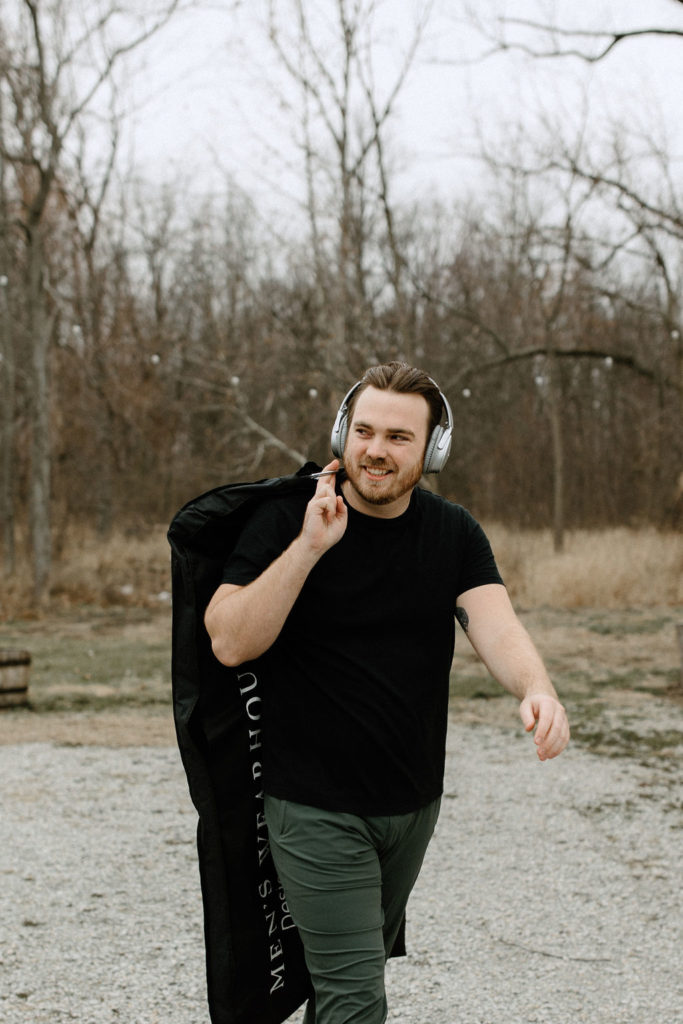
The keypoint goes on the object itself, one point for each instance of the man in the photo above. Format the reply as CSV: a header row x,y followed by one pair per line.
x,y
351,600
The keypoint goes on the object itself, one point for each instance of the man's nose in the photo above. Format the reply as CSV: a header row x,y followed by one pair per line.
x,y
376,448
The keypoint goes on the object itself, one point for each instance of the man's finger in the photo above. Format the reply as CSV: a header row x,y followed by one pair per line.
x,y
325,484
556,738
527,715
545,715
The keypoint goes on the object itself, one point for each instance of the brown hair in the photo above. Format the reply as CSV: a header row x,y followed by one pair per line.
x,y
404,379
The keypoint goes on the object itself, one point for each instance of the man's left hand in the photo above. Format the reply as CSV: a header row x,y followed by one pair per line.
x,y
548,716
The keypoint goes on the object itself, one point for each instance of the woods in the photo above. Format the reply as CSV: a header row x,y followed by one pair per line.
x,y
156,342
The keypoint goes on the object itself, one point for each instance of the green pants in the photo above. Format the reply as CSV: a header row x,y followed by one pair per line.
x,y
347,880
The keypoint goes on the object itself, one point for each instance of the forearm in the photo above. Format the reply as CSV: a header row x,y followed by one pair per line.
x,y
502,642
513,660
243,622
505,647
517,665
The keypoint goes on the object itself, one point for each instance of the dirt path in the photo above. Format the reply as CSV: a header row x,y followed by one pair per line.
x,y
110,727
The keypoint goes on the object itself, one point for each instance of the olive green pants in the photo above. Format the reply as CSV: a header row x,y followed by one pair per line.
x,y
347,880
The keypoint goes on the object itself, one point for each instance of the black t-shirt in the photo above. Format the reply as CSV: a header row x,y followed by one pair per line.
x,y
356,685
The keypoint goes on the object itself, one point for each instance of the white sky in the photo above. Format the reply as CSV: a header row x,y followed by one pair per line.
x,y
208,113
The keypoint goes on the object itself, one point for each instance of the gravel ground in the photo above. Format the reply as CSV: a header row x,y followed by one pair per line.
x,y
550,894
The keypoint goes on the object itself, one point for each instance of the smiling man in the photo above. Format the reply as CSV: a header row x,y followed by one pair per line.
x,y
384,451
350,600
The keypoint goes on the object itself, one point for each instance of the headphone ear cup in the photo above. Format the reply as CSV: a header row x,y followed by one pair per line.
x,y
338,436
430,451
438,449
439,444
341,425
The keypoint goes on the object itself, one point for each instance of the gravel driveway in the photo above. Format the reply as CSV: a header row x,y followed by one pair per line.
x,y
551,892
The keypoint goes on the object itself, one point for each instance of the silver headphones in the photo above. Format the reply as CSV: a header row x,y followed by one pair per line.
x,y
438,446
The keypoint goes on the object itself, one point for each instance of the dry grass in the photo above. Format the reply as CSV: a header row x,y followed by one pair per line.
x,y
122,571
614,568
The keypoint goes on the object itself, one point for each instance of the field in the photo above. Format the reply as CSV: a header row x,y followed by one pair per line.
x,y
604,614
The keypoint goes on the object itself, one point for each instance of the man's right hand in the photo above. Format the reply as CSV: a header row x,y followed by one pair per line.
x,y
326,514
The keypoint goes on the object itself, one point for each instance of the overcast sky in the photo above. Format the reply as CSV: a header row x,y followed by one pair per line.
x,y
211,109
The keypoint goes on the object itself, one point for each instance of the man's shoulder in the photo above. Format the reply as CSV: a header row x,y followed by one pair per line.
x,y
437,505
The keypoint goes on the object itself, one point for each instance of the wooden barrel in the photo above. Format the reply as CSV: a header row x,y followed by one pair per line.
x,y
14,671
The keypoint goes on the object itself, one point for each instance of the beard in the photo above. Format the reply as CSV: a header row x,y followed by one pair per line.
x,y
384,490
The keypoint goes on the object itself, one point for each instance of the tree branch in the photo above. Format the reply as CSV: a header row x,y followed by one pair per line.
x,y
271,438
608,40
522,354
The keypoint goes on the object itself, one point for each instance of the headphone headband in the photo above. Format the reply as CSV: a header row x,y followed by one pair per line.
x,y
438,446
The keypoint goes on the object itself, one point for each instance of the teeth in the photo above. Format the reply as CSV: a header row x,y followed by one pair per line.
x,y
376,472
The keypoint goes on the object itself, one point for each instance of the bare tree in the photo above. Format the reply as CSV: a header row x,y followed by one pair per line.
x,y
60,59
627,248
92,284
343,123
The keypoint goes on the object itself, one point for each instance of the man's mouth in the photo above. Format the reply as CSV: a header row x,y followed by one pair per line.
x,y
377,472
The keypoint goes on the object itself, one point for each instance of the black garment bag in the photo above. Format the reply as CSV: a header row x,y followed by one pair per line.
x,y
255,968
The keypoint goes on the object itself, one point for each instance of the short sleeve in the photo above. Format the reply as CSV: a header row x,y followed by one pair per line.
x,y
478,566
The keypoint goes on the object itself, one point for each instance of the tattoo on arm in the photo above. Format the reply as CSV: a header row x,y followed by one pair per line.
x,y
463,618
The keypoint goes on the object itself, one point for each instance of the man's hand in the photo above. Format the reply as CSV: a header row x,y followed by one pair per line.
x,y
550,719
326,514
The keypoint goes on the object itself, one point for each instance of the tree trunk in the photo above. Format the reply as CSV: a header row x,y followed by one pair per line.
x,y
7,374
39,334
554,406
7,379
